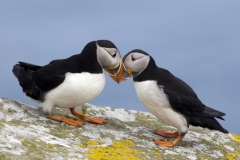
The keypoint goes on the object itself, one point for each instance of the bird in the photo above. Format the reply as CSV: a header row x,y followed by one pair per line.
x,y
71,82
168,98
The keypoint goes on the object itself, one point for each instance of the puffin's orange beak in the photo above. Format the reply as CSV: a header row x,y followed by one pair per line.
x,y
119,74
115,73
126,74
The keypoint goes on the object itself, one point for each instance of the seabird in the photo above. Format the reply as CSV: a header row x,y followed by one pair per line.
x,y
71,82
168,98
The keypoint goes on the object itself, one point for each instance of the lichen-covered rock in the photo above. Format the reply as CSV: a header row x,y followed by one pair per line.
x,y
25,133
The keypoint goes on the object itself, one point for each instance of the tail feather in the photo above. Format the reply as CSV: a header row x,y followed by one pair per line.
x,y
23,72
210,112
207,119
30,66
206,122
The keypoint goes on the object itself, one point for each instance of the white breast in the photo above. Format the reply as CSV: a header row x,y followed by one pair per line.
x,y
76,90
156,101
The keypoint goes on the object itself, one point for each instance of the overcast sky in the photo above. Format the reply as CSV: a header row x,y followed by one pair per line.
x,y
198,41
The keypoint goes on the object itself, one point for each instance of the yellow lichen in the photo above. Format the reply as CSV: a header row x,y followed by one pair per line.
x,y
155,153
119,150
91,143
62,112
145,118
99,142
80,145
94,143
123,144
50,145
139,153
231,156
236,138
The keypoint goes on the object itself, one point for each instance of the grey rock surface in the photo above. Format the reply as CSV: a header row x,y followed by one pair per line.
x,y
25,133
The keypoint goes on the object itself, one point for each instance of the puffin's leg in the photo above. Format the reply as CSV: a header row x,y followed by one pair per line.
x,y
64,119
166,134
88,119
167,143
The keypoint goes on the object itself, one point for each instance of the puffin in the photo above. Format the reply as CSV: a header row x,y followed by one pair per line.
x,y
71,82
169,99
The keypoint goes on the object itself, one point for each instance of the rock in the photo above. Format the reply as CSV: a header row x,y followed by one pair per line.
x,y
25,133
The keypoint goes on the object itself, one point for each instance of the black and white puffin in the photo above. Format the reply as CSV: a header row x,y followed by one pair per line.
x,y
71,82
168,98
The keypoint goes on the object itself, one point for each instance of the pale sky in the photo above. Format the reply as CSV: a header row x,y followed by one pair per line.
x,y
198,41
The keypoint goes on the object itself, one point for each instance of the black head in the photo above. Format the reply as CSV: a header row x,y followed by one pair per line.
x,y
106,44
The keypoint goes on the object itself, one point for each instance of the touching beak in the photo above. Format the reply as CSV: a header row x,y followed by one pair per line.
x,y
126,74
115,72
120,73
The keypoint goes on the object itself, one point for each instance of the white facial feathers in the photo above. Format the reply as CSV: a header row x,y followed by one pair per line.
x,y
108,56
137,62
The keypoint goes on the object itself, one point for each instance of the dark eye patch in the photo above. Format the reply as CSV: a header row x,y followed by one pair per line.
x,y
132,58
114,55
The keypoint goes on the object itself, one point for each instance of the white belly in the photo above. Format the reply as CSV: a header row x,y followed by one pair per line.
x,y
156,102
76,90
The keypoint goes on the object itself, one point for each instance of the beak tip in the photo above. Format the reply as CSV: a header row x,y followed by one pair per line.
x,y
121,75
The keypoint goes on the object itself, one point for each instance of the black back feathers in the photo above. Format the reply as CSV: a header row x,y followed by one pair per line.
x,y
37,80
181,97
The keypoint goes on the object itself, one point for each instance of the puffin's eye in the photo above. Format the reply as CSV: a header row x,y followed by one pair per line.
x,y
114,55
132,58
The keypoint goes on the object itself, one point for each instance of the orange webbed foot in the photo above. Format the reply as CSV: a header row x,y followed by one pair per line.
x,y
166,134
95,120
87,118
168,143
163,143
67,120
